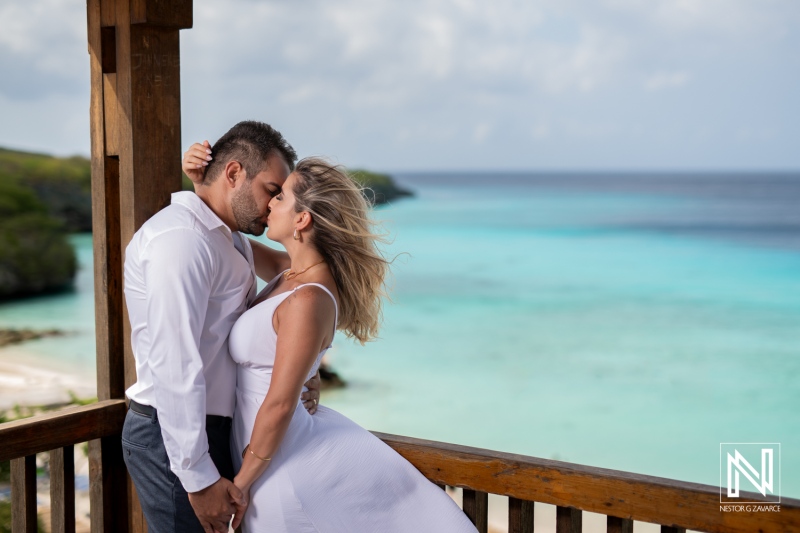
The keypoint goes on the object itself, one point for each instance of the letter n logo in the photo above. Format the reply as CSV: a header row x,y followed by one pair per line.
x,y
737,460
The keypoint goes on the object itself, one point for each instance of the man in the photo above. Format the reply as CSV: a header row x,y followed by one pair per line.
x,y
189,274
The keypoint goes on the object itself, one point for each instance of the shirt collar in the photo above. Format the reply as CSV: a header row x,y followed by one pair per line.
x,y
193,203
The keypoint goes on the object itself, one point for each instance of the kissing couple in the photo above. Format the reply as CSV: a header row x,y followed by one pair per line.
x,y
224,426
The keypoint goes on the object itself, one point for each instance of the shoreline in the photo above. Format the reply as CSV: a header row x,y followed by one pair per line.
x,y
27,381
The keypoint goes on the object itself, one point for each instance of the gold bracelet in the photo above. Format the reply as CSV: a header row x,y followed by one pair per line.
x,y
266,460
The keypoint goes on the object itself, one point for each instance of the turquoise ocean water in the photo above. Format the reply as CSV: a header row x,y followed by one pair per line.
x,y
632,322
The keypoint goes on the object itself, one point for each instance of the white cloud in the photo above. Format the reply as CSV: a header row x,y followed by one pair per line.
x,y
42,48
408,85
732,17
541,131
661,80
481,132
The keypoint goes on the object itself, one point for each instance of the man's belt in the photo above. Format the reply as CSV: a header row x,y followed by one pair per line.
x,y
212,421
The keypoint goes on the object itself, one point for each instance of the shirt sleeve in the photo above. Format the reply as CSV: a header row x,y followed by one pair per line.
x,y
178,272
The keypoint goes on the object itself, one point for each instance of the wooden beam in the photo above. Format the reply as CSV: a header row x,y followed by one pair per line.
x,y
105,211
176,14
149,135
599,490
136,154
57,429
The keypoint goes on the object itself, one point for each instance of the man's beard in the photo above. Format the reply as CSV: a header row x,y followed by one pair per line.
x,y
245,211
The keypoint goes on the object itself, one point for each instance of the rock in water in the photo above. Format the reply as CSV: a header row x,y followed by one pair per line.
x,y
330,379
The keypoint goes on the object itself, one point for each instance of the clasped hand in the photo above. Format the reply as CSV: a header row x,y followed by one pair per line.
x,y
215,504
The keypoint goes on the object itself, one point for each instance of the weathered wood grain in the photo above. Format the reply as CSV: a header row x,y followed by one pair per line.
x,y
176,14
136,156
108,483
520,516
62,490
476,507
23,494
105,212
61,428
111,119
615,524
568,520
599,490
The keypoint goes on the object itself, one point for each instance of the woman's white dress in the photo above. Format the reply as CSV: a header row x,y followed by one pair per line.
x,y
329,474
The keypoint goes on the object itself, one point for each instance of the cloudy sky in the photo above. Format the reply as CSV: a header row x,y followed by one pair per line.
x,y
458,84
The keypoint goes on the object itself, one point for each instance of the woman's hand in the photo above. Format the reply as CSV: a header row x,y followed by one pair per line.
x,y
195,160
241,509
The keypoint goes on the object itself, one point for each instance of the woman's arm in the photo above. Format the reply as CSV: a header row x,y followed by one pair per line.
x,y
304,323
195,161
269,262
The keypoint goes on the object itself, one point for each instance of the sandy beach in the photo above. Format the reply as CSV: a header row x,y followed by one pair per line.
x,y
28,381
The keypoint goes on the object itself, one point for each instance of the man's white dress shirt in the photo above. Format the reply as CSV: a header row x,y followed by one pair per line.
x,y
185,286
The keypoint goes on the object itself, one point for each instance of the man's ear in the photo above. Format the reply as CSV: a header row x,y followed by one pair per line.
x,y
233,171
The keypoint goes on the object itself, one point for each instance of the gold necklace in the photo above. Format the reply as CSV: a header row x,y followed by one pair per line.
x,y
289,274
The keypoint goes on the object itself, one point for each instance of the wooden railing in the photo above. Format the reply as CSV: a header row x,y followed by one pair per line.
x,y
623,497
58,432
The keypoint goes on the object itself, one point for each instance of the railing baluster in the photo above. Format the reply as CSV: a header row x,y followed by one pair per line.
x,y
670,529
520,516
23,494
108,488
568,520
476,507
62,490
614,524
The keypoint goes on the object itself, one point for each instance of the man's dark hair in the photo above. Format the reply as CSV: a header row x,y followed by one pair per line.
x,y
250,143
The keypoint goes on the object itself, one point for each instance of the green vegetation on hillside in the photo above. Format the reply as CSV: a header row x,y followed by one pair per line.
x,y
42,198
378,188
35,256
63,185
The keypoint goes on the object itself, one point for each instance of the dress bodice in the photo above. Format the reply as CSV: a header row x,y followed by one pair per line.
x,y
253,340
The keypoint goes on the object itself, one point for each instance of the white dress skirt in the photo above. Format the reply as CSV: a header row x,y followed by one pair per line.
x,y
329,474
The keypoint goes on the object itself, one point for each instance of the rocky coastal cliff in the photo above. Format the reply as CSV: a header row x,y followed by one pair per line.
x,y
35,255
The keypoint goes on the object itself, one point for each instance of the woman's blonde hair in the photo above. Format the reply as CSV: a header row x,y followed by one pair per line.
x,y
344,234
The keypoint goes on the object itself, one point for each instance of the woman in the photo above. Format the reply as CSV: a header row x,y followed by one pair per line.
x,y
320,473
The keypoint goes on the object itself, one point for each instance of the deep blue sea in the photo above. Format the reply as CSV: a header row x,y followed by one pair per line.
x,y
629,321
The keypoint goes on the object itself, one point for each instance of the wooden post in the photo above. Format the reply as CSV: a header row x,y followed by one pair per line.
x,y
136,149
520,516
23,495
618,525
568,520
476,507
62,490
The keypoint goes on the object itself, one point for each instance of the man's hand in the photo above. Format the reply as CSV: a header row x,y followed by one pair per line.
x,y
195,161
215,504
311,397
